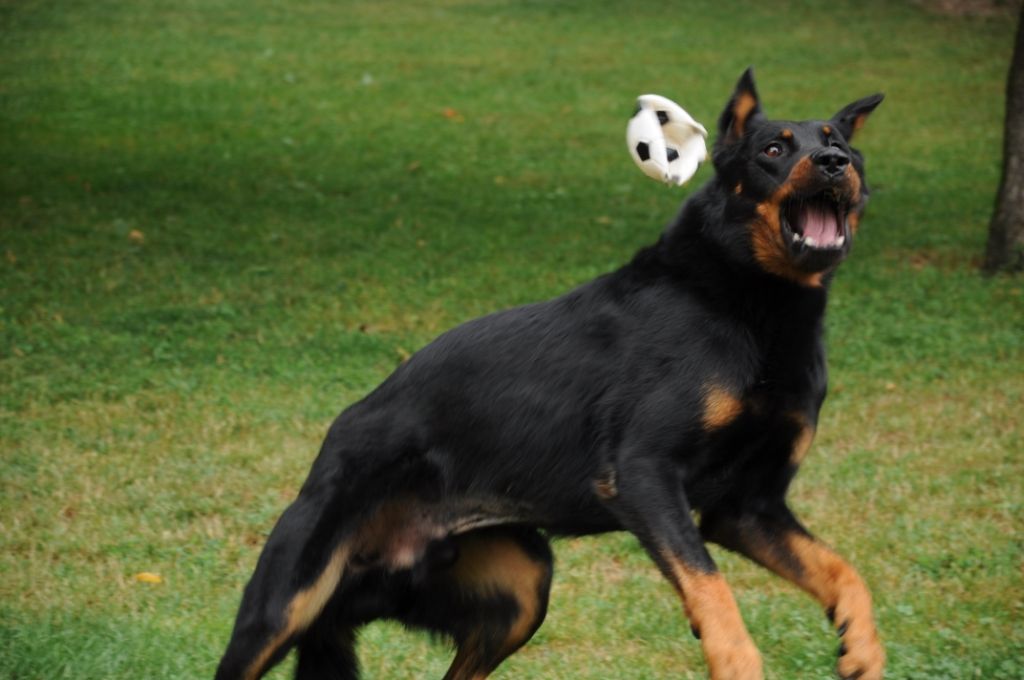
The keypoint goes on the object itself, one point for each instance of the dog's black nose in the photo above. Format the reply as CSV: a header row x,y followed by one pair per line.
x,y
832,161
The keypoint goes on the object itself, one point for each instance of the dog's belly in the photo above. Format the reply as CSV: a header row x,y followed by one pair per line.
x,y
404,532
575,519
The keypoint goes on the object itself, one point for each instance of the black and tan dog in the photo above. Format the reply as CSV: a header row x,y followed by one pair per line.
x,y
688,381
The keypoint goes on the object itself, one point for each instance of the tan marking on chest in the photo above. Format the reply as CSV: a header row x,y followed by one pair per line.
x,y
802,443
720,407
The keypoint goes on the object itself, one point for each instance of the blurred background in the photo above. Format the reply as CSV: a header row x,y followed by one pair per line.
x,y
223,221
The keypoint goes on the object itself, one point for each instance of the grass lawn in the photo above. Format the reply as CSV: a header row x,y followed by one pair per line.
x,y
221,221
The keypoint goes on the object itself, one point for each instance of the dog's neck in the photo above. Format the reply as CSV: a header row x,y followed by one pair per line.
x,y
691,254
786,319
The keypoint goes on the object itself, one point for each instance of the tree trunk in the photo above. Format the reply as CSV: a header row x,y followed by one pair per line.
x,y
1005,250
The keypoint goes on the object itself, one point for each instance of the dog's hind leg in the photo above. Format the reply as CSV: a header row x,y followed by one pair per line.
x,y
363,500
490,600
327,653
297,572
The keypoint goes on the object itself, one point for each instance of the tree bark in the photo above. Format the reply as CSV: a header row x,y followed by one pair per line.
x,y
1005,250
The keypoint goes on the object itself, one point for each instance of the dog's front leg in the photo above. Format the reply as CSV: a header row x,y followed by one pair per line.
x,y
651,504
772,537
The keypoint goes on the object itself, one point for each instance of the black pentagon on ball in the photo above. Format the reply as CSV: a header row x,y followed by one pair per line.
x,y
643,151
662,117
672,154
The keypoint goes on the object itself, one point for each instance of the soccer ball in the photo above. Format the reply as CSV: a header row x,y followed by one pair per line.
x,y
665,141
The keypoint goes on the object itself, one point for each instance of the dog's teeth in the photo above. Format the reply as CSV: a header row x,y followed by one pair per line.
x,y
841,240
810,241
798,237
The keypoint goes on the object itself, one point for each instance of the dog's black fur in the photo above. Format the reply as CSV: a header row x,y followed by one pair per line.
x,y
689,380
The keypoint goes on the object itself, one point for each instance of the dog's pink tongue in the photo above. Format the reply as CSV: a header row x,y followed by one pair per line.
x,y
820,224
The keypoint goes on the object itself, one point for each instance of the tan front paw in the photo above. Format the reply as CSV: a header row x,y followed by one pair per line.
x,y
861,655
737,661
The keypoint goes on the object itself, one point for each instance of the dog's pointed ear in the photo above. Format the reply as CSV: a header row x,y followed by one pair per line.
x,y
851,117
741,109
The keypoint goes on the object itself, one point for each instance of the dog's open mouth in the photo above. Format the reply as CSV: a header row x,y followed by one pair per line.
x,y
815,223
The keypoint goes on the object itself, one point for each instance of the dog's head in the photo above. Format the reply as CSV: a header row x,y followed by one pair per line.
x,y
795,190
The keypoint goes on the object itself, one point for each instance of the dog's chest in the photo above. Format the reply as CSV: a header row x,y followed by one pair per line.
x,y
753,457
759,446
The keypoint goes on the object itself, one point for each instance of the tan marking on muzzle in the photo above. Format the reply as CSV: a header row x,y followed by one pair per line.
x,y
769,245
770,249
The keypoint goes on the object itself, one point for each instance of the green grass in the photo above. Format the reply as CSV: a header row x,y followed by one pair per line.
x,y
223,221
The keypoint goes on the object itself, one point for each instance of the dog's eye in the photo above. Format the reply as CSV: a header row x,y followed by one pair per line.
x,y
773,150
